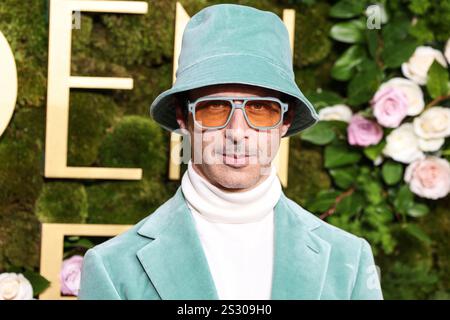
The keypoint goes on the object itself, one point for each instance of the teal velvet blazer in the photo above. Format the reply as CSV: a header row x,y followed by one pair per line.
x,y
161,257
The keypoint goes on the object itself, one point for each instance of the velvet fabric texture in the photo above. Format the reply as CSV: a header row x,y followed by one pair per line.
x,y
161,257
229,43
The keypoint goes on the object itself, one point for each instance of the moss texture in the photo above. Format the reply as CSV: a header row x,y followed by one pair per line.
x,y
306,175
21,154
19,238
62,202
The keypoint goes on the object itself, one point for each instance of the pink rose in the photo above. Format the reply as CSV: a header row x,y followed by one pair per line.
x,y
429,178
390,106
363,132
70,275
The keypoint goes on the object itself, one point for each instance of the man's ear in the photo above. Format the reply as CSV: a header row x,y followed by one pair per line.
x,y
287,119
181,115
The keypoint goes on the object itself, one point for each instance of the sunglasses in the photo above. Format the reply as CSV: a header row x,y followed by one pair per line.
x,y
261,113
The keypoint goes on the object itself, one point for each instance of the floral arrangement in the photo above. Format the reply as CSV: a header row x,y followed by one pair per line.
x,y
15,286
385,144
29,284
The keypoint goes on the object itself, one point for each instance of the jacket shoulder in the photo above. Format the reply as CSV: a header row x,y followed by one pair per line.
x,y
126,241
131,241
351,271
108,260
337,237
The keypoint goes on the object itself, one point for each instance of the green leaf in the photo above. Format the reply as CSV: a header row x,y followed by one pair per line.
x,y
343,68
319,134
344,177
323,201
349,31
337,156
340,128
325,98
437,82
392,172
397,52
38,282
351,204
418,210
347,9
364,85
372,41
397,29
373,191
419,7
417,232
373,151
404,199
83,243
380,213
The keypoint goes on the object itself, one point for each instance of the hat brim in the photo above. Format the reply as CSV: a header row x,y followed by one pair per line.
x,y
231,68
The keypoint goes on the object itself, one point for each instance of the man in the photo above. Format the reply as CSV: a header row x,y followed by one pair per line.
x,y
229,232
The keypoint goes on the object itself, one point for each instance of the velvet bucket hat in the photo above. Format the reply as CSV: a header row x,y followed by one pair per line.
x,y
229,43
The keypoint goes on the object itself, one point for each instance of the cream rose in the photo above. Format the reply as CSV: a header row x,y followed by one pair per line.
x,y
429,178
339,112
14,286
402,144
412,91
431,145
433,123
416,68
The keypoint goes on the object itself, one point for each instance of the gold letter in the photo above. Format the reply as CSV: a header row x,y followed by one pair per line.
x,y
8,83
281,160
60,81
181,20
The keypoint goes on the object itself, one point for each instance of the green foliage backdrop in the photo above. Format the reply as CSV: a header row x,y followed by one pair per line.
x,y
113,128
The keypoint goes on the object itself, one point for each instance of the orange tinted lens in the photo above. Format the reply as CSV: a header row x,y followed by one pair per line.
x,y
263,113
212,113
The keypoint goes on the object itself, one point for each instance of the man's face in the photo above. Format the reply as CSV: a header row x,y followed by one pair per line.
x,y
237,157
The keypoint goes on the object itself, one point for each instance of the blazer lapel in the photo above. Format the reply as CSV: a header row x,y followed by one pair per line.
x,y
178,269
300,257
174,260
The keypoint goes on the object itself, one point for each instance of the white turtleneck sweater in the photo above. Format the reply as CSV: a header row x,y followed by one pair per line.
x,y
236,232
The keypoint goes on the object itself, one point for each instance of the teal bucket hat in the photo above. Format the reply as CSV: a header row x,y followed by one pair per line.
x,y
230,43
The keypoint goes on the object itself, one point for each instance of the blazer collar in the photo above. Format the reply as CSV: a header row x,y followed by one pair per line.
x,y
177,267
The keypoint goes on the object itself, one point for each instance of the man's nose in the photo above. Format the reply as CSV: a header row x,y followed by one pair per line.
x,y
238,126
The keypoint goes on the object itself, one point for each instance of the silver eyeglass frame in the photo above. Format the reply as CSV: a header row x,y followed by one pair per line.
x,y
235,105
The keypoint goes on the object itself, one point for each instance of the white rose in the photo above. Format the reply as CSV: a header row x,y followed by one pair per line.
x,y
416,68
412,92
402,144
433,123
339,112
430,145
14,286
447,51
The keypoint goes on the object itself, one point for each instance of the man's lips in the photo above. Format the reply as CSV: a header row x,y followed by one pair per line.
x,y
236,160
